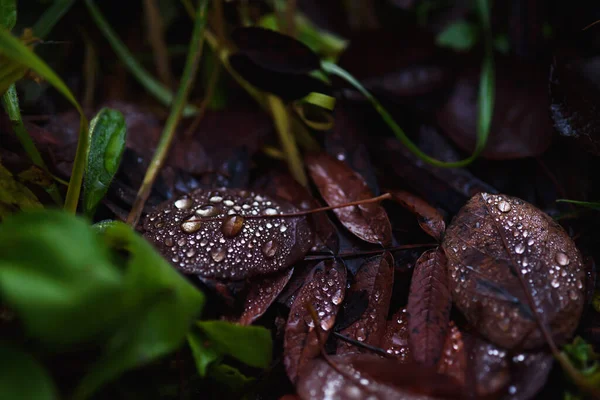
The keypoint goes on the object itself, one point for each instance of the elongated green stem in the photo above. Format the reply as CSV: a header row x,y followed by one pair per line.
x,y
50,17
157,89
10,101
189,74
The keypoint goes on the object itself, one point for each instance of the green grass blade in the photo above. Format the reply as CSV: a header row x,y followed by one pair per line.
x,y
10,101
51,16
187,79
16,51
595,205
152,85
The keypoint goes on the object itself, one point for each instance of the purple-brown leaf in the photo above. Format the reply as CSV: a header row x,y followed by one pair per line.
x,y
213,234
395,338
429,303
375,277
263,292
339,184
503,254
430,219
324,290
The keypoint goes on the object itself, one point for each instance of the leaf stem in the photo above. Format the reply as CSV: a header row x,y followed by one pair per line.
x,y
10,100
162,150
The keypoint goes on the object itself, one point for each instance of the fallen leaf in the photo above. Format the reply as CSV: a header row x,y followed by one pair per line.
x,y
429,304
529,373
375,278
263,292
213,234
501,251
430,219
453,361
395,338
324,291
339,184
14,196
487,367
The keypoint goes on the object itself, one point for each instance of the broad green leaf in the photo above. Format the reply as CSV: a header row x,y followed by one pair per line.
x,y
459,36
252,345
108,132
204,354
160,307
56,275
14,196
22,377
12,49
8,14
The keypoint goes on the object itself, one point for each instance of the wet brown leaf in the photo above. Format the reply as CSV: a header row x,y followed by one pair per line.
x,y
263,292
375,278
502,250
324,290
429,303
529,373
430,219
454,357
395,338
339,184
208,233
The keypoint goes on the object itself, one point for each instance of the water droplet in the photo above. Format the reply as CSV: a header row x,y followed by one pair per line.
x,y
282,228
169,242
215,199
184,204
337,297
228,203
218,254
270,211
190,253
561,258
525,233
269,249
573,295
159,224
520,248
530,242
555,283
207,211
232,225
504,206
191,225
181,242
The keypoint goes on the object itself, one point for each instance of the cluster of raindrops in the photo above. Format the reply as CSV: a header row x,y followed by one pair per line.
x,y
498,242
395,338
454,351
213,233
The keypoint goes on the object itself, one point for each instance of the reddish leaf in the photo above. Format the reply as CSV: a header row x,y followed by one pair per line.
x,y
488,368
339,184
395,338
454,356
207,233
263,292
428,307
529,372
503,251
274,51
520,124
324,290
375,277
430,219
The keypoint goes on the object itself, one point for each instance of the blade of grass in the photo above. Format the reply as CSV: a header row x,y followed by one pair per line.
x,y
595,205
10,100
51,16
155,28
187,79
157,89
13,49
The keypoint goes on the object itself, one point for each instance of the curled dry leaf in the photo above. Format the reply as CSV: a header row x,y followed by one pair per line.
x,y
262,293
374,277
339,184
324,290
209,233
429,303
503,254
395,338
430,219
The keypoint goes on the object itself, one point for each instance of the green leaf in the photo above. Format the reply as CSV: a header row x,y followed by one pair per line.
x,y
595,205
231,378
108,132
14,195
22,377
160,306
204,354
251,345
459,36
55,273
19,54
51,16
8,14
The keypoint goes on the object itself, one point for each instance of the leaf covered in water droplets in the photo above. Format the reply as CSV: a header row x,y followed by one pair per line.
x,y
395,337
263,292
428,307
430,219
503,254
374,277
228,233
339,184
324,290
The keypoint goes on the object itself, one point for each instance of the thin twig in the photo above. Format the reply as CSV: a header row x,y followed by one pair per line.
x,y
324,256
363,345
162,150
